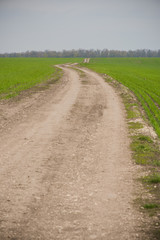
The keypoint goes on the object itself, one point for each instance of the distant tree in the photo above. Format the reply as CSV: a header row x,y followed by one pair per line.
x,y
85,53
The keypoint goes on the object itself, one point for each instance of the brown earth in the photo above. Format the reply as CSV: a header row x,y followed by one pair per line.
x,y
65,166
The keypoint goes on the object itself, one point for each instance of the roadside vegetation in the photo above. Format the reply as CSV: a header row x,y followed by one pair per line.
x,y
18,74
145,146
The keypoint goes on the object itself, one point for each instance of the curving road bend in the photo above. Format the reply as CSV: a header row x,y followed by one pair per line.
x,y
65,165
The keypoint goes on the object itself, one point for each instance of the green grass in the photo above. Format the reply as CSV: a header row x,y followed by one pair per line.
x,y
18,74
145,151
135,125
154,178
141,76
150,205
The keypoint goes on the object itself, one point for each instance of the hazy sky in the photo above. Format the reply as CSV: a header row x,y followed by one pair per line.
x,y
73,24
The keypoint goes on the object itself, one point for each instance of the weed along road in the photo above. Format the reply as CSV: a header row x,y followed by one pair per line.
x,y
65,165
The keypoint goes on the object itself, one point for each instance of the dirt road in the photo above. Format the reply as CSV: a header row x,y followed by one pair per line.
x,y
65,166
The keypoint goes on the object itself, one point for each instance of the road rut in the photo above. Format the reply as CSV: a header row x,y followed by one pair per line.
x,y
65,165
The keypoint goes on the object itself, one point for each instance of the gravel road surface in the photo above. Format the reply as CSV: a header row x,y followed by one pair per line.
x,y
65,166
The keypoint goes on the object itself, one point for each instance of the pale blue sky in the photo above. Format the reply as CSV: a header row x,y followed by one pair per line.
x,y
73,24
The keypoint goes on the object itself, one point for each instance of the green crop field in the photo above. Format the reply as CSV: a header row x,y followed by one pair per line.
x,y
18,74
140,75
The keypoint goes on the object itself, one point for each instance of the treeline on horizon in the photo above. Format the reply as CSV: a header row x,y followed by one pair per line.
x,y
82,53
